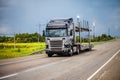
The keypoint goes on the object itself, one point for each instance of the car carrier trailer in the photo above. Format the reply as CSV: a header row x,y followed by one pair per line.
x,y
60,37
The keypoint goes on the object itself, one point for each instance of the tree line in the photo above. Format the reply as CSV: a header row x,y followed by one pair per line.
x,y
23,38
35,37
103,37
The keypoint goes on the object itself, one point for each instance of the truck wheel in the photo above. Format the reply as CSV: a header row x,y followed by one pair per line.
x,y
70,53
50,55
90,49
78,51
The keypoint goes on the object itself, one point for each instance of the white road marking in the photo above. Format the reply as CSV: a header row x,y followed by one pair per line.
x,y
19,61
34,68
9,76
103,65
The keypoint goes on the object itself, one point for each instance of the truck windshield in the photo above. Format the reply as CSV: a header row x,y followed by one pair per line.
x,y
56,32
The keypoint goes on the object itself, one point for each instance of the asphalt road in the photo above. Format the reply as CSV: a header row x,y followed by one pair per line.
x,y
102,63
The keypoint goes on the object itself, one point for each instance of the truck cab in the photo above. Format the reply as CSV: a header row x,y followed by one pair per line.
x,y
59,37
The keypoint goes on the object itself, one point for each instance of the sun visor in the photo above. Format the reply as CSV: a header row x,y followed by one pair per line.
x,y
60,23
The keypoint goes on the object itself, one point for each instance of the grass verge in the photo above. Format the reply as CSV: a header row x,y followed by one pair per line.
x,y
7,50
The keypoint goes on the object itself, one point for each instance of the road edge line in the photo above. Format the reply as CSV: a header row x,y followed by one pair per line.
x,y
89,78
34,68
9,76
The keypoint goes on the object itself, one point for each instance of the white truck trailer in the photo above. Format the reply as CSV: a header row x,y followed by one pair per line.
x,y
60,36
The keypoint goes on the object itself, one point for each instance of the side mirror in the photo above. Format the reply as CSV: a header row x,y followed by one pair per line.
x,y
71,32
43,32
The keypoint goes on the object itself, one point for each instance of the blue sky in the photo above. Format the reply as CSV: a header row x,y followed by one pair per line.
x,y
18,16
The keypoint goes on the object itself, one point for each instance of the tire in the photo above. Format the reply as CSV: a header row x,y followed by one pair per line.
x,y
70,53
50,55
90,49
78,51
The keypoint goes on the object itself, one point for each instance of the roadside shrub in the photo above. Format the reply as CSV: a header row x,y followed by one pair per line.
x,y
1,46
19,50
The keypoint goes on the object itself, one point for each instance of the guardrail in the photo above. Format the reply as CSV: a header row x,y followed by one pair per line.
x,y
37,52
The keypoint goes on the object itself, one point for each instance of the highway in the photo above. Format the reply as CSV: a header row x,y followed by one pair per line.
x,y
101,63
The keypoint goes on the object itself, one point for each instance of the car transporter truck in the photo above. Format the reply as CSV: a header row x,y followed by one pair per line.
x,y
60,36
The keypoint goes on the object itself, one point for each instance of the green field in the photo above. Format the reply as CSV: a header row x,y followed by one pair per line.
x,y
7,50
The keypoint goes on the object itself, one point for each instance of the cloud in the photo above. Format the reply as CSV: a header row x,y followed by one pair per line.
x,y
4,3
4,29
7,3
117,26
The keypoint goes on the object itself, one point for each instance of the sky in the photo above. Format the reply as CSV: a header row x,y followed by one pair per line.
x,y
21,16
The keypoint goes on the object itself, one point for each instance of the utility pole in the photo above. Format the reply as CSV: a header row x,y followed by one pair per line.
x,y
93,30
39,32
108,31
88,32
14,41
78,17
83,27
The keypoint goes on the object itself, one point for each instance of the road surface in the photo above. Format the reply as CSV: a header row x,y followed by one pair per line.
x,y
102,63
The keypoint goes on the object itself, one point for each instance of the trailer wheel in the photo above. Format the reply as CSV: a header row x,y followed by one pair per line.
x,y
50,55
90,49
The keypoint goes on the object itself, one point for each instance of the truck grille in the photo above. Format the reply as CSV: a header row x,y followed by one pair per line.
x,y
56,49
56,45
